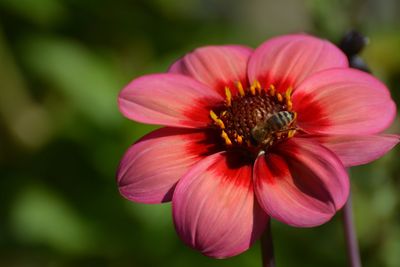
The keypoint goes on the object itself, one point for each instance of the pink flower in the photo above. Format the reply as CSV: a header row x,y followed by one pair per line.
x,y
251,135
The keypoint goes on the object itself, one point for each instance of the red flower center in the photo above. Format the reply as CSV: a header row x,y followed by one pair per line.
x,y
255,119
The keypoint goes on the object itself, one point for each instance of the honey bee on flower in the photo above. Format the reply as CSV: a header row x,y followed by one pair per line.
x,y
251,135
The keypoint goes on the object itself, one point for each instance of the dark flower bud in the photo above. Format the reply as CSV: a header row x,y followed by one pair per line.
x,y
352,44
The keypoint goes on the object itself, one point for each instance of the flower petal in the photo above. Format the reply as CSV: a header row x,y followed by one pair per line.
x,y
215,66
343,101
214,207
302,184
359,149
168,99
151,167
287,60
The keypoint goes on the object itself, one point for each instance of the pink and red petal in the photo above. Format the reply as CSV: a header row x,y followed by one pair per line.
x,y
343,101
214,207
215,66
356,150
287,60
302,184
150,168
168,99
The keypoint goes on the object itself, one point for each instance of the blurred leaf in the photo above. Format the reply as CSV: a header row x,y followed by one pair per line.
x,y
86,80
330,17
44,12
380,51
391,248
41,217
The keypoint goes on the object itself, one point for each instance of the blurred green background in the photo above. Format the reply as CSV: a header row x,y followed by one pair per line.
x,y
62,64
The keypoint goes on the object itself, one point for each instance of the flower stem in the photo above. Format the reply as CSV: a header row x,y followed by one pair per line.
x,y
267,248
353,252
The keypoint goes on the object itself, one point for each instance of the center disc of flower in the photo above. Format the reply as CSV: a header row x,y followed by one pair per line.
x,y
256,118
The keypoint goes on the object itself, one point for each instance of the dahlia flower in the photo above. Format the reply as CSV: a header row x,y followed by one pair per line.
x,y
250,135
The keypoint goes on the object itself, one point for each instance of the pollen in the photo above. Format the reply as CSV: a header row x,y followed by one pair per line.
x,y
240,88
288,93
253,90
279,97
228,96
255,118
226,138
272,90
217,120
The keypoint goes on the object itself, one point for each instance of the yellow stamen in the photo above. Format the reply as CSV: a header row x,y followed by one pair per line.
x,y
279,97
272,90
239,139
253,90
226,138
294,116
291,133
240,88
223,113
289,105
288,93
257,84
228,96
213,116
217,120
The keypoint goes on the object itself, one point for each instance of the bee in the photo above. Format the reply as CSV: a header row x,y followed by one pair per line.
x,y
274,126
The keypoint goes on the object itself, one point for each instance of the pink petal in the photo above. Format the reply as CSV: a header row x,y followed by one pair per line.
x,y
343,101
302,184
215,66
214,209
168,99
287,60
151,167
359,149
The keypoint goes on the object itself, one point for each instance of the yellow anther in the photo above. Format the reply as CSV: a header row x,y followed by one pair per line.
x,y
272,90
217,120
291,133
239,139
257,84
221,124
253,90
240,88
226,138
223,113
289,105
288,92
279,97
228,95
213,116
294,115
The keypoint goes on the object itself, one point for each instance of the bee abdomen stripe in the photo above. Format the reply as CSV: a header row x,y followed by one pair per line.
x,y
276,122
